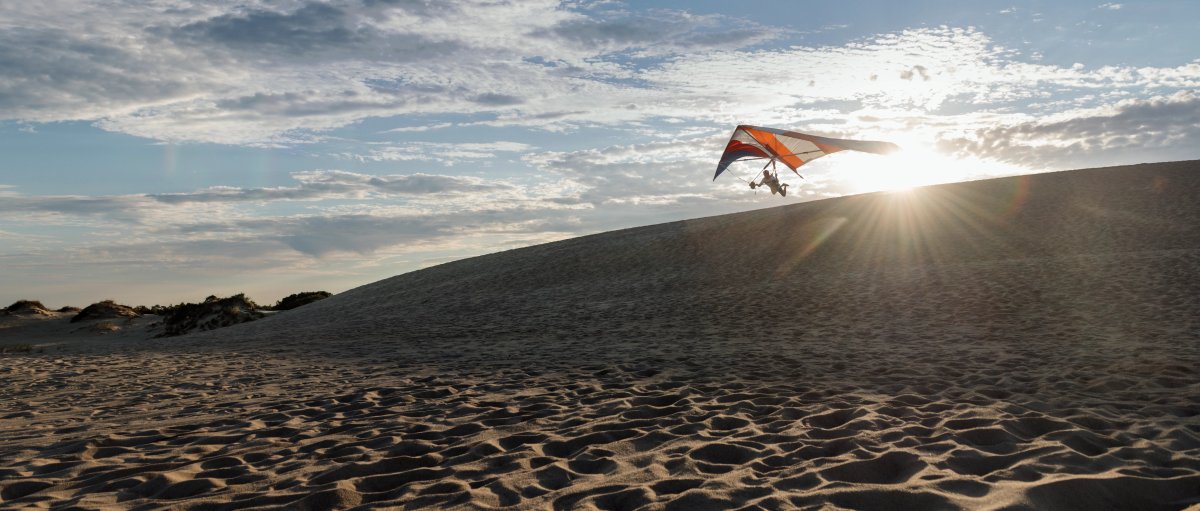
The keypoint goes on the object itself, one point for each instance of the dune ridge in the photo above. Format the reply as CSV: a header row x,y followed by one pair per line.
x,y
1019,343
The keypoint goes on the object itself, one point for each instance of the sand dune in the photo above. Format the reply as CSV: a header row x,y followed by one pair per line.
x,y
1018,343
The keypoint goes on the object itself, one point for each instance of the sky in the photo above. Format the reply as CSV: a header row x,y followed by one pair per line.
x,y
166,150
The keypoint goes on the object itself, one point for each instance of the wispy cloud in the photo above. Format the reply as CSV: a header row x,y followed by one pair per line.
x,y
257,74
316,185
924,69
283,74
337,184
446,153
348,204
417,129
1129,129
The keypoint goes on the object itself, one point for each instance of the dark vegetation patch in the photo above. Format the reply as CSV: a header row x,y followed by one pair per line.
x,y
161,310
15,348
105,310
292,301
210,314
27,307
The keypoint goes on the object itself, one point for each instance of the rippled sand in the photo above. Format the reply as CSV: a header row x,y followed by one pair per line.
x,y
1022,343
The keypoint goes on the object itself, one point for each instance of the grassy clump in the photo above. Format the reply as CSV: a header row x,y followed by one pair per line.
x,y
159,310
292,301
15,348
26,307
212,313
25,304
167,311
106,309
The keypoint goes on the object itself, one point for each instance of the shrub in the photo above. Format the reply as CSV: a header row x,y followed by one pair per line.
x,y
106,309
166,310
27,307
292,301
212,313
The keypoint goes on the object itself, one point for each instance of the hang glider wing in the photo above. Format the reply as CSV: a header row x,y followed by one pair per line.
x,y
789,147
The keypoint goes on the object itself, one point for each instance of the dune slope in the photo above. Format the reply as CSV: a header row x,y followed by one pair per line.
x,y
1019,343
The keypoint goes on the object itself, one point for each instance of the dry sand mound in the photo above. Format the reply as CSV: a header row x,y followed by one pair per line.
x,y
1020,343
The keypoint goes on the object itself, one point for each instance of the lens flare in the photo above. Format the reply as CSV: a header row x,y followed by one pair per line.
x,y
916,164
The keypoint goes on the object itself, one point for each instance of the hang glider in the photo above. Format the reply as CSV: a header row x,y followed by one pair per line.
x,y
789,147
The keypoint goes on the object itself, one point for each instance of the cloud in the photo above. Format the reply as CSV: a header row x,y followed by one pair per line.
x,y
494,99
219,202
1161,127
363,234
447,153
255,74
310,29
6,235
337,184
426,127
663,32
324,236
422,184
52,74
336,215
921,68
343,215
126,208
284,73
917,70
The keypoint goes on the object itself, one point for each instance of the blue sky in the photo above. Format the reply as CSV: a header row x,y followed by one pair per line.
x,y
163,151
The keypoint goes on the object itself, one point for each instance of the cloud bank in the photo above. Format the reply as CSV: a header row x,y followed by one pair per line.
x,y
287,73
1146,127
276,73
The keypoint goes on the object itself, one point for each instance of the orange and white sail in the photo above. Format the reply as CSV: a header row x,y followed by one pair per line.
x,y
789,147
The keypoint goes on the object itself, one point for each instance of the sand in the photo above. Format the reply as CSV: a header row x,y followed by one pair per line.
x,y
1020,343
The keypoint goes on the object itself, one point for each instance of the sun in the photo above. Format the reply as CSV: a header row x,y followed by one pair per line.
x,y
916,164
